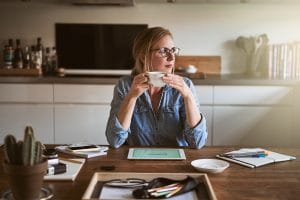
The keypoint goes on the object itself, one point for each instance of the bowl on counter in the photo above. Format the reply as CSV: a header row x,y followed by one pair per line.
x,y
191,69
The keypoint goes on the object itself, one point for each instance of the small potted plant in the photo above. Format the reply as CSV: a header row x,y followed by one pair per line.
x,y
24,165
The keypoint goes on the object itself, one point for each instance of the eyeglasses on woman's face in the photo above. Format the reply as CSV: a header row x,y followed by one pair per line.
x,y
165,52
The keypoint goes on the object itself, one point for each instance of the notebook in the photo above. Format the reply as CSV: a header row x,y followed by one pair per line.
x,y
73,169
84,154
253,162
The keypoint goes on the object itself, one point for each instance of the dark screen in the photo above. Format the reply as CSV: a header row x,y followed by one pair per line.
x,y
96,46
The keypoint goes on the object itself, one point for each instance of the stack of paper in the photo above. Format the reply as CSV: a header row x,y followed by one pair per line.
x,y
252,161
84,154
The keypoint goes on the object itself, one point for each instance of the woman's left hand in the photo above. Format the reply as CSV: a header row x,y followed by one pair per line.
x,y
177,82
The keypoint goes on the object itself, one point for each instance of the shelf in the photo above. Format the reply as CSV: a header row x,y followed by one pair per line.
x,y
20,72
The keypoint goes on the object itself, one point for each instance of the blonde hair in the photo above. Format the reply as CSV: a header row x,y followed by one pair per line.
x,y
142,48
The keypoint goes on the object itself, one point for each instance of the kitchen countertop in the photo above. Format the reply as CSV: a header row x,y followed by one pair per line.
x,y
209,80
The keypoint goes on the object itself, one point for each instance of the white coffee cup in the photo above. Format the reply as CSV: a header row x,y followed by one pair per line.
x,y
155,78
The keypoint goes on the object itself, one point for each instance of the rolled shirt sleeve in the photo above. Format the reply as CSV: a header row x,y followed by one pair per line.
x,y
115,134
196,136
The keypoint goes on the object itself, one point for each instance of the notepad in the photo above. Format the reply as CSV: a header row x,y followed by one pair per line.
x,y
73,168
102,150
253,162
156,154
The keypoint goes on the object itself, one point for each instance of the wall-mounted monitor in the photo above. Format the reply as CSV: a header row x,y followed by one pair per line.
x,y
100,48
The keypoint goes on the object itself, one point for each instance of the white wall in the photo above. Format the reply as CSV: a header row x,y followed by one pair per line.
x,y
198,28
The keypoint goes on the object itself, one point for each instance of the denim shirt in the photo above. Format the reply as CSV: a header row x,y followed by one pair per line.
x,y
166,127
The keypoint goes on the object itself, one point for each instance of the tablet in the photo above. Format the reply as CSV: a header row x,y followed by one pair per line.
x,y
156,154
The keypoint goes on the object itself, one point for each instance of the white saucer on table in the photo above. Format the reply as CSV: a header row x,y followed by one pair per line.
x,y
210,165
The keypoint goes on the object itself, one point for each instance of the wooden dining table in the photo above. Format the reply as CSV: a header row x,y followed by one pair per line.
x,y
273,181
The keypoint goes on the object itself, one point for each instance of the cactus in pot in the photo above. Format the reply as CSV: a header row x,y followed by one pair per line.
x,y
24,165
27,152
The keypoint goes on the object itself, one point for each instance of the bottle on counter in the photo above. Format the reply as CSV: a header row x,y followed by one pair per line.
x,y
34,58
39,49
18,56
54,60
47,65
8,55
27,58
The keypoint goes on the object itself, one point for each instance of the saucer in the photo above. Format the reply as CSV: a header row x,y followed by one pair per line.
x,y
210,165
46,193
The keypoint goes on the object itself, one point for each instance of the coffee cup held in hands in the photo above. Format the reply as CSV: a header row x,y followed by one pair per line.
x,y
155,78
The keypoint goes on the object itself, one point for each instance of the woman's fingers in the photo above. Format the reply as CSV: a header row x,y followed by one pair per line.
x,y
176,82
172,79
139,79
139,85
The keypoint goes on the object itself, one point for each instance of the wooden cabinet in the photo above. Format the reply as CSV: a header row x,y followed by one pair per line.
x,y
81,112
27,104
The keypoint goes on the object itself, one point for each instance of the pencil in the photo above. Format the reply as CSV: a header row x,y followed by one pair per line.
x,y
162,187
174,192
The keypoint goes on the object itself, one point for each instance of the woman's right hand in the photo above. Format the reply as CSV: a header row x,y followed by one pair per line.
x,y
139,85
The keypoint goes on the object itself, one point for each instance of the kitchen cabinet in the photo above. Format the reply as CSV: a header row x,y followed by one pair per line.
x,y
205,95
71,113
253,115
27,104
81,112
295,139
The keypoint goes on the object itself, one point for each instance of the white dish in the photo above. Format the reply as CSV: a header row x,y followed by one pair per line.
x,y
191,69
210,165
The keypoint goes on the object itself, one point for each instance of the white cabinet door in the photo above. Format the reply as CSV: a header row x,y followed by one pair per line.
x,y
15,117
81,113
205,95
27,104
295,141
26,93
99,94
258,126
253,95
207,112
81,123
253,115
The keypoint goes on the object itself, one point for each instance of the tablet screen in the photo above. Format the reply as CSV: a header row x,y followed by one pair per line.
x,y
156,153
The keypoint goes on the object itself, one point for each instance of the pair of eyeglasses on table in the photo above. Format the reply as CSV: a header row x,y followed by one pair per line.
x,y
126,183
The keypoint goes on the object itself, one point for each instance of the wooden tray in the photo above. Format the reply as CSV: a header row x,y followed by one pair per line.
x,y
205,190
20,72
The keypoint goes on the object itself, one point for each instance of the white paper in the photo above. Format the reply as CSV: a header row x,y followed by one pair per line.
x,y
111,193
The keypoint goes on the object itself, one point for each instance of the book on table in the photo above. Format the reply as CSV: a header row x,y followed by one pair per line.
x,y
84,153
73,167
254,157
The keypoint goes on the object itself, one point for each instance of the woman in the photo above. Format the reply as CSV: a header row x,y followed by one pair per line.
x,y
143,115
